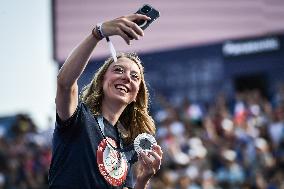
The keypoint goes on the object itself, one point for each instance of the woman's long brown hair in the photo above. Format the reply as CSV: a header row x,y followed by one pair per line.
x,y
135,117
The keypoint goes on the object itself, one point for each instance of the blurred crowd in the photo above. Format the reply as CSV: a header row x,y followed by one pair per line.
x,y
226,144
25,154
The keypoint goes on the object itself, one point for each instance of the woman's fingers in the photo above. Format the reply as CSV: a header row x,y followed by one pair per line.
x,y
134,17
157,160
124,36
129,32
145,158
154,164
152,161
125,27
156,156
135,28
158,149
147,163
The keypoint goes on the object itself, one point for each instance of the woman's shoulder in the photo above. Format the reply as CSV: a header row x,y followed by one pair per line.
x,y
86,112
84,107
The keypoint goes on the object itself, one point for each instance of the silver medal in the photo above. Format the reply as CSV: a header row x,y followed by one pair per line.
x,y
144,142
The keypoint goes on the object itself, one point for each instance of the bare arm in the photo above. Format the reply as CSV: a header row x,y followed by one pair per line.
x,y
67,87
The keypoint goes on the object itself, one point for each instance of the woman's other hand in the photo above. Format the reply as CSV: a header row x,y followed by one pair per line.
x,y
149,165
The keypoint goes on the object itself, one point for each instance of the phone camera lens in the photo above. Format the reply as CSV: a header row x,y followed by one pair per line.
x,y
146,9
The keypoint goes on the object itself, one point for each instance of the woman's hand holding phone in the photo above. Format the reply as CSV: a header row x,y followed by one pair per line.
x,y
131,27
125,27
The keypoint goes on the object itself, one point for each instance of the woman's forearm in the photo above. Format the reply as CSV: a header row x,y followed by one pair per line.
x,y
76,62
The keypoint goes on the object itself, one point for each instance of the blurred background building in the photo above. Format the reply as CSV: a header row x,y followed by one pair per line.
x,y
215,72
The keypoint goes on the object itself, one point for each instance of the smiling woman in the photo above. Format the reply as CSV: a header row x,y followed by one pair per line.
x,y
94,134
124,81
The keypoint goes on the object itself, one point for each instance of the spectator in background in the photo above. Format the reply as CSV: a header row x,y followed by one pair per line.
x,y
24,156
244,147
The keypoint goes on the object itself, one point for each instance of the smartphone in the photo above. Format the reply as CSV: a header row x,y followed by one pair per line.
x,y
149,11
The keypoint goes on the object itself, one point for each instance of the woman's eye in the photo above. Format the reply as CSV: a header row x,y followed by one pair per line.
x,y
135,76
118,70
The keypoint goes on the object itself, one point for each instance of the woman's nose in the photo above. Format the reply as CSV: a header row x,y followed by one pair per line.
x,y
126,76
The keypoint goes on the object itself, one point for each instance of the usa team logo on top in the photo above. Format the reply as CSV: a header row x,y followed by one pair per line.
x,y
112,164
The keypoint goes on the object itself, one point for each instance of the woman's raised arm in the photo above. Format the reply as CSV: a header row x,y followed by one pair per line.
x,y
67,87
